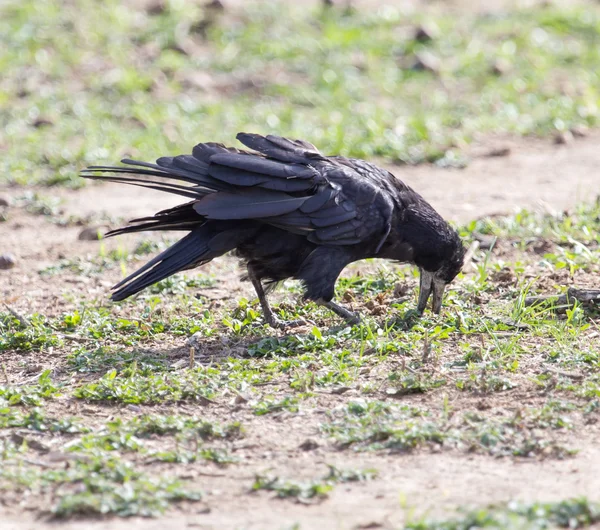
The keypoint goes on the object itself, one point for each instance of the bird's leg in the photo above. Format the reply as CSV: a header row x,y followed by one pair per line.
x,y
348,316
270,317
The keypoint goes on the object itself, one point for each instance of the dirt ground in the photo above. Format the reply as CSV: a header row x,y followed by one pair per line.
x,y
535,174
504,175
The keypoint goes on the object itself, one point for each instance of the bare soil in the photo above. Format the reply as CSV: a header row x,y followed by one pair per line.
x,y
533,174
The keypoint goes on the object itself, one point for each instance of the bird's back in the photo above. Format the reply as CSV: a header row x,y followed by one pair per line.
x,y
285,207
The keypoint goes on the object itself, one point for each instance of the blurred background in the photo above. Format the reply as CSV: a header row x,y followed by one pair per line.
x,y
404,82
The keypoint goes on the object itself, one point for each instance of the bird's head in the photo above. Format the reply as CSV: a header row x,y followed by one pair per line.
x,y
435,274
424,238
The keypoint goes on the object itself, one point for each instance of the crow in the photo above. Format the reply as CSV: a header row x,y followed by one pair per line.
x,y
288,212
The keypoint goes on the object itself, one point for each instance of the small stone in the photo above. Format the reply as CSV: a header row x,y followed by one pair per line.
x,y
501,67
426,32
91,233
401,289
37,446
217,5
340,390
504,276
3,202
578,131
156,7
33,368
563,138
42,122
17,439
240,399
426,61
542,247
7,261
497,152
486,242
308,445
181,363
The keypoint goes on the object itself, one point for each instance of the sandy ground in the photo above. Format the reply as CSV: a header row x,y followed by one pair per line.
x,y
534,174
432,482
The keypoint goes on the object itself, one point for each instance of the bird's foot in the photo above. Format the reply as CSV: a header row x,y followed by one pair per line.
x,y
354,320
351,318
276,323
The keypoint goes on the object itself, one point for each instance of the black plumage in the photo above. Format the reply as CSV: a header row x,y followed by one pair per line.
x,y
289,212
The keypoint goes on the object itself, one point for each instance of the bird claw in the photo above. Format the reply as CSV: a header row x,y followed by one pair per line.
x,y
354,321
283,324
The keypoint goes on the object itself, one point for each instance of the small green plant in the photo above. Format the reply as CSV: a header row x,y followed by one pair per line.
x,y
29,394
312,490
573,513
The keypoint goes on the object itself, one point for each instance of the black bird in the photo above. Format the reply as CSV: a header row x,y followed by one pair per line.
x,y
289,212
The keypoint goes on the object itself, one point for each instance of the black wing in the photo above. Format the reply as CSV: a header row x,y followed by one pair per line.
x,y
285,183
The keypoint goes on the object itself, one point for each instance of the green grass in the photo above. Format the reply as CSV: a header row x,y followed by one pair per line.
x,y
29,395
37,420
110,388
314,490
376,426
144,84
99,478
573,513
397,384
99,486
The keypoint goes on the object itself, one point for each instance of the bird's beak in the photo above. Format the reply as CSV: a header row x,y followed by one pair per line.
x,y
427,284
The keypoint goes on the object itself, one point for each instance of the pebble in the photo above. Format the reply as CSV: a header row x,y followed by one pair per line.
x,y
426,61
498,152
91,233
3,202
308,445
7,261
578,131
426,32
42,122
563,138
501,66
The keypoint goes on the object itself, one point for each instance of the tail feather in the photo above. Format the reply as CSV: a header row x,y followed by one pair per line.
x,y
167,169
155,225
226,186
201,245
190,251
169,187
181,217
